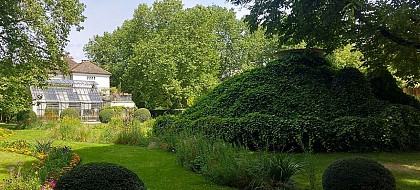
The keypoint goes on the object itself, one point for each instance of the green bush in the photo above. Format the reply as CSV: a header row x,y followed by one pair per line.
x,y
357,173
69,112
25,118
142,114
106,115
100,175
385,87
296,103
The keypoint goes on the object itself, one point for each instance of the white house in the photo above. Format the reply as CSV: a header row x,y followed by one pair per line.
x,y
84,89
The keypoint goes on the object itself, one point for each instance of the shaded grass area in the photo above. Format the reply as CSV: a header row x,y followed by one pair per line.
x,y
159,169
8,159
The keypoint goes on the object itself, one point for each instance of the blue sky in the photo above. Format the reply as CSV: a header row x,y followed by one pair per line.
x,y
107,15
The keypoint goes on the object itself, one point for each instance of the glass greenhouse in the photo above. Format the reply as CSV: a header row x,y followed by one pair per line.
x,y
50,101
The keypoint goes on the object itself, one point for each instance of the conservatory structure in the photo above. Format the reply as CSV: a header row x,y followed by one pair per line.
x,y
48,102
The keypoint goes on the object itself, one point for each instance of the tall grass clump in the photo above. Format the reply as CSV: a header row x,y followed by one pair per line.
x,y
233,165
71,129
134,133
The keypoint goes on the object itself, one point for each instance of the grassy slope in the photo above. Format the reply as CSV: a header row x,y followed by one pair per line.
x,y
159,170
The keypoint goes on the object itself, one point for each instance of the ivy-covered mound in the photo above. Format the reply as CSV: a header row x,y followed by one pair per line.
x,y
302,101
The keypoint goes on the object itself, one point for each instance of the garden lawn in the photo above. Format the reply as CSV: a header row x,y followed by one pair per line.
x,y
405,166
159,169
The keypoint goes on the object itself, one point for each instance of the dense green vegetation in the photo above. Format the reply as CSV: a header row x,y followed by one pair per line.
x,y
357,173
302,101
168,55
100,175
386,32
32,38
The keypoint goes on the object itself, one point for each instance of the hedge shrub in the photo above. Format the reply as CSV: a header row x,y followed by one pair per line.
x,y
100,175
301,102
69,112
106,115
357,173
142,114
25,118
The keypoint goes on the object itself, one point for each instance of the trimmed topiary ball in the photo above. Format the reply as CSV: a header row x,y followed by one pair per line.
x,y
357,173
106,115
100,175
69,112
142,114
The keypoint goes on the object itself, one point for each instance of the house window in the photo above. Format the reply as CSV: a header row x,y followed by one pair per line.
x,y
90,78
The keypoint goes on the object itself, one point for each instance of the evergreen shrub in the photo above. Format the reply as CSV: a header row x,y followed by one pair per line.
x,y
100,175
142,114
357,173
105,115
25,118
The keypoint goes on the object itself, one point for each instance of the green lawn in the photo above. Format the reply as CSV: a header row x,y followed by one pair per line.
x,y
405,166
159,170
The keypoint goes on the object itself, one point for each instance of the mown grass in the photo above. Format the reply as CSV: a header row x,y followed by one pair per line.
x,y
405,166
159,169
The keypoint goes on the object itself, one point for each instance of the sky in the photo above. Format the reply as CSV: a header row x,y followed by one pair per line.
x,y
107,15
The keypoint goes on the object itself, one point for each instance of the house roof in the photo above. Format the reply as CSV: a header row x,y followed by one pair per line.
x,y
87,67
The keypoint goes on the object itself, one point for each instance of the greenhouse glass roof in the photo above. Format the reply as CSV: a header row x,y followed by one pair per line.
x,y
67,91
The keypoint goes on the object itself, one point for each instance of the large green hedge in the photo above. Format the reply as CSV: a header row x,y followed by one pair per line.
x,y
300,101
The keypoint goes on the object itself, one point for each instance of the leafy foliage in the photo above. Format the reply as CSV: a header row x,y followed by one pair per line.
x,y
32,39
100,175
167,56
25,118
299,101
386,32
69,112
357,173
142,114
105,115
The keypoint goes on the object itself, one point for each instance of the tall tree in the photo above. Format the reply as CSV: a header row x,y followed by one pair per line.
x,y
33,34
167,56
385,31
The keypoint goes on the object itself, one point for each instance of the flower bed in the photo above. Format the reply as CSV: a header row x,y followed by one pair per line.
x,y
53,163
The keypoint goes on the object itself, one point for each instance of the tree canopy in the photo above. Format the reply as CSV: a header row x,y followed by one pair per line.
x,y
385,31
167,56
33,34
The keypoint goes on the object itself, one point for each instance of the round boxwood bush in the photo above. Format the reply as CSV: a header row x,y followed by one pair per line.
x,y
106,115
69,112
357,173
142,114
100,175
25,117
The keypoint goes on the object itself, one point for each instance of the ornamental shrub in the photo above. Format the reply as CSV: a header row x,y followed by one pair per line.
x,y
100,175
69,112
25,118
142,114
106,115
357,173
